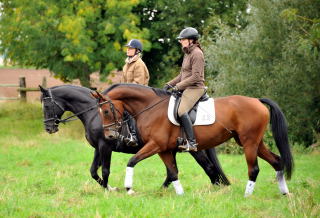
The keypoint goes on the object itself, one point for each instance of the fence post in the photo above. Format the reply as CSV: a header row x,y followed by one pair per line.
x,y
44,82
22,93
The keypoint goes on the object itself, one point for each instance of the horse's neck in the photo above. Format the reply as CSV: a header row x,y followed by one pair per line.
x,y
135,100
77,102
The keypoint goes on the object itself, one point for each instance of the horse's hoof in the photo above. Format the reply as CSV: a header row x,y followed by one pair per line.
x,y
288,194
130,191
112,189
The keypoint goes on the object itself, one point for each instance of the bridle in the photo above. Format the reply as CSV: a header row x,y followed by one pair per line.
x,y
118,123
55,117
49,100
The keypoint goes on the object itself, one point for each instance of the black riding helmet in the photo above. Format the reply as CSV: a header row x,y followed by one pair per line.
x,y
188,33
135,43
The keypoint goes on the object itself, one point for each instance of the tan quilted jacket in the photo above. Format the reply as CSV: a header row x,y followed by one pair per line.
x,y
135,71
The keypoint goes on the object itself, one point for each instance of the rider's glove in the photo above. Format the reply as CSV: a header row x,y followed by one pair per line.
x,y
175,89
167,87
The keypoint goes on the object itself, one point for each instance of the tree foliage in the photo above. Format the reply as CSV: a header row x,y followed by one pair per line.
x,y
71,38
166,18
75,38
275,56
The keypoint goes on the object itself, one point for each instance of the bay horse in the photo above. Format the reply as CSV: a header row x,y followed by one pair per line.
x,y
243,118
78,100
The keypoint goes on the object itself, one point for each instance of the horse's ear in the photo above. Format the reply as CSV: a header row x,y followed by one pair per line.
x,y
97,95
43,90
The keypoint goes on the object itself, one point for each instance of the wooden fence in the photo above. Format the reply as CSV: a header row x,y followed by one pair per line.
x,y
22,89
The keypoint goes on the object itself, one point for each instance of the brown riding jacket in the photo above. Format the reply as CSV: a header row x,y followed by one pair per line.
x,y
192,70
135,71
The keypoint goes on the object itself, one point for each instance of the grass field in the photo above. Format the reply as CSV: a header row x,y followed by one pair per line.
x,y
44,175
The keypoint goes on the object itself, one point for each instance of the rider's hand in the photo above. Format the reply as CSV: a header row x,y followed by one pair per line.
x,y
175,89
166,87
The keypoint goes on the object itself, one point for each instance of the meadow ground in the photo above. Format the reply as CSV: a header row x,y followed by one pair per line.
x,y
44,175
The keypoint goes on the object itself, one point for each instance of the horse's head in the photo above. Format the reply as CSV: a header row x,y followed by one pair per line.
x,y
111,112
52,111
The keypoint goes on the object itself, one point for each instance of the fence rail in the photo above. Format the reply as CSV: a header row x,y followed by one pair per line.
x,y
9,85
22,89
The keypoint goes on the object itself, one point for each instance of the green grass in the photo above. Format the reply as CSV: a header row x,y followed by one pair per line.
x,y
44,175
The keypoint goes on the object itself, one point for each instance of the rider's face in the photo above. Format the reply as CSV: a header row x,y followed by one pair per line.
x,y
131,51
184,42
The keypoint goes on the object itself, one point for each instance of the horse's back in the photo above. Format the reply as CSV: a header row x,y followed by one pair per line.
x,y
241,110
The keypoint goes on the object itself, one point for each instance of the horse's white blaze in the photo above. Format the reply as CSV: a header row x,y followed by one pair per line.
x,y
282,183
178,187
249,188
128,181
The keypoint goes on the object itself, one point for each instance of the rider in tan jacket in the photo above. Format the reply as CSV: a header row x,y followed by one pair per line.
x,y
135,70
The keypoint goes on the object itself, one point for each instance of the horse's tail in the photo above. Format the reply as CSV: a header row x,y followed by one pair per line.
x,y
280,135
220,177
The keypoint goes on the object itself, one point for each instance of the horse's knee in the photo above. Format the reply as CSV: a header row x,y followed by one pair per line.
x,y
253,173
105,173
94,171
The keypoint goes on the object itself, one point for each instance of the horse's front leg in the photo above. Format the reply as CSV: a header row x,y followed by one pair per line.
x,y
170,175
170,162
148,150
96,163
105,152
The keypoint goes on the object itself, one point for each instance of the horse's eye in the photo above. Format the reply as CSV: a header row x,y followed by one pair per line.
x,y
106,112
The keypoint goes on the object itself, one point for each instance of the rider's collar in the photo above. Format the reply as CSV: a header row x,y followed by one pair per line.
x,y
189,49
131,59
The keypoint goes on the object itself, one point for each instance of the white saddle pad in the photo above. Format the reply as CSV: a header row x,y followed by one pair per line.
x,y
205,114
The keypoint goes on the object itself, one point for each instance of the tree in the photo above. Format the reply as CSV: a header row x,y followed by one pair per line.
x,y
71,38
166,18
275,56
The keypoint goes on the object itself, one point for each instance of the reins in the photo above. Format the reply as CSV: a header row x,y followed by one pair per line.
x,y
75,115
119,123
147,108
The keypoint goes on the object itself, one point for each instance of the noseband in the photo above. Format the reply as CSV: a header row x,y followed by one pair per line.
x,y
118,123
52,103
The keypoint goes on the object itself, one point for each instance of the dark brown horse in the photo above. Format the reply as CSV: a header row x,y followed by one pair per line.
x,y
243,118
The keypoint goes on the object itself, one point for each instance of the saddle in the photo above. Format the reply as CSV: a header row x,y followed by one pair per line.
x,y
202,113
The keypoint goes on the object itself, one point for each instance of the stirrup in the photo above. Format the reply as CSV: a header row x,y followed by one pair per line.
x,y
131,141
188,147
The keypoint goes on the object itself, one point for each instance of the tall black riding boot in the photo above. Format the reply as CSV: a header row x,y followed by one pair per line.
x,y
187,126
133,137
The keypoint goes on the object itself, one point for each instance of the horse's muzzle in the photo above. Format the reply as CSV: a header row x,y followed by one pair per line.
x,y
51,129
111,135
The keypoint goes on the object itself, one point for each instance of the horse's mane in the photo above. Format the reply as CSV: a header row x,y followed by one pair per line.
x,y
72,86
157,91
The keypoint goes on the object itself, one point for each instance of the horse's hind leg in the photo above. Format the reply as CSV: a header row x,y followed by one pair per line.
x,y
275,161
250,151
211,166
172,170
250,147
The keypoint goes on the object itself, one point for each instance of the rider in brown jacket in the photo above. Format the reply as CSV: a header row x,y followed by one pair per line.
x,y
190,82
